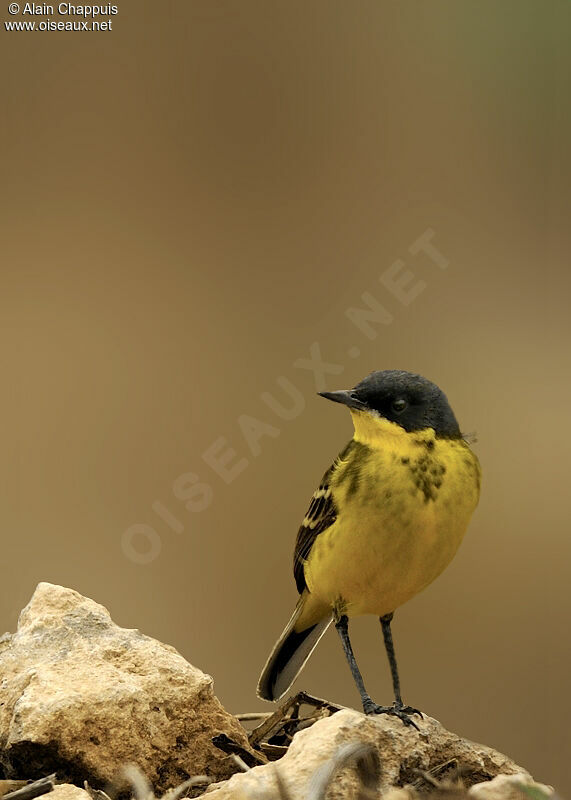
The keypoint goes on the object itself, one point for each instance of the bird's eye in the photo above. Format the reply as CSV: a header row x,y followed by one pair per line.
x,y
398,406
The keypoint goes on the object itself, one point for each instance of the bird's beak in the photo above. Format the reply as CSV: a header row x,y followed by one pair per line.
x,y
346,397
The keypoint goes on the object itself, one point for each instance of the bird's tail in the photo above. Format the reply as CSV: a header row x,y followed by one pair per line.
x,y
289,655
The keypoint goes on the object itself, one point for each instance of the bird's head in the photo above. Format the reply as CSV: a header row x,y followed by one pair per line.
x,y
404,398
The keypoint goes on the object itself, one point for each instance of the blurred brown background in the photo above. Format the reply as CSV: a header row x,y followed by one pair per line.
x,y
193,199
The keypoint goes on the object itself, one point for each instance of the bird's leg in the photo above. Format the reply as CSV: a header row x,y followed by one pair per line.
x,y
390,648
342,627
369,707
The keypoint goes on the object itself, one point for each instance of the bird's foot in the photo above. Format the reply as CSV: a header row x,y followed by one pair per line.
x,y
404,713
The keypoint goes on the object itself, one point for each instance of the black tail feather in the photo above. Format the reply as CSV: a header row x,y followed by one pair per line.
x,y
288,657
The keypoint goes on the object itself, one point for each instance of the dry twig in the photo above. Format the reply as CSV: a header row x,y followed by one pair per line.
x,y
223,742
280,727
35,789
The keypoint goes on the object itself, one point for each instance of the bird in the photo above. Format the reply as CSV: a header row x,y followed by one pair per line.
x,y
386,519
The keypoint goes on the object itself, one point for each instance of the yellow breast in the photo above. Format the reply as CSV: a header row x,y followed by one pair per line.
x,y
404,501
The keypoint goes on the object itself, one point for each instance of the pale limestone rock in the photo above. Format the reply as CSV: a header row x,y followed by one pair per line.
x,y
82,697
67,791
400,794
401,750
507,787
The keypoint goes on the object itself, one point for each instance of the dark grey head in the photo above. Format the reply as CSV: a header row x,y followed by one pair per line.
x,y
402,397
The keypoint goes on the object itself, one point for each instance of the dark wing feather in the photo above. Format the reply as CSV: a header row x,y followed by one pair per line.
x,y
321,514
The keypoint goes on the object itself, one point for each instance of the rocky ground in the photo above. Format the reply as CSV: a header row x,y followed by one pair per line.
x,y
90,710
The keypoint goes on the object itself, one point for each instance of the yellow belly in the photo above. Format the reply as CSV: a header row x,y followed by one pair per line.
x,y
401,517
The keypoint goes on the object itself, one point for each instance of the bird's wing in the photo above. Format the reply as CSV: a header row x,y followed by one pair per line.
x,y
321,514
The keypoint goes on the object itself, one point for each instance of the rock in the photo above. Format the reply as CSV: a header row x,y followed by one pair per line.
x,y
83,697
67,791
402,751
399,794
508,787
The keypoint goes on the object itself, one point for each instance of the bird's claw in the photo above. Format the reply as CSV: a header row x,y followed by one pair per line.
x,y
411,710
403,713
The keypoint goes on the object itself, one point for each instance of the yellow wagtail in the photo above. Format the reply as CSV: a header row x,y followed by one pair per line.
x,y
386,519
